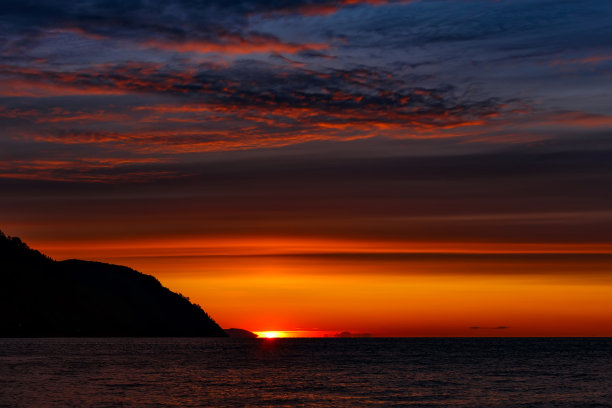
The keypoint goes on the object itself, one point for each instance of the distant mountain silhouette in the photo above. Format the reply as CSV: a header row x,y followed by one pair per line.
x,y
43,297
241,333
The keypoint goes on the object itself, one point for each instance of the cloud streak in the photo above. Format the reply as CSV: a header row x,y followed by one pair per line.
x,y
277,108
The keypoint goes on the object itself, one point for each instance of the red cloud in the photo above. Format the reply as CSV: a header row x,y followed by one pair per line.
x,y
236,45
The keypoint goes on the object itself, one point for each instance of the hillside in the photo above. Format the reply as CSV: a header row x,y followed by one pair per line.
x,y
43,297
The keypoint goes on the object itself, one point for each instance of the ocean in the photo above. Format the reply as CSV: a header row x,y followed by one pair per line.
x,y
320,372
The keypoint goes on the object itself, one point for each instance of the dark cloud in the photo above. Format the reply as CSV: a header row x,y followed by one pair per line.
x,y
207,22
519,197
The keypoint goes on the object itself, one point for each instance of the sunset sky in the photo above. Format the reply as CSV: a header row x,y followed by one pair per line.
x,y
399,168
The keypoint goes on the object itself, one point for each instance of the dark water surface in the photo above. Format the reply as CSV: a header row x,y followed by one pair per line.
x,y
305,372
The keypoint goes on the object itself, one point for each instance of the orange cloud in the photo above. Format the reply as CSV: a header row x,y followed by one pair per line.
x,y
85,169
235,46
287,245
38,88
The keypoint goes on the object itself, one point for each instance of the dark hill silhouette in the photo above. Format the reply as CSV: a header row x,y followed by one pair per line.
x,y
42,297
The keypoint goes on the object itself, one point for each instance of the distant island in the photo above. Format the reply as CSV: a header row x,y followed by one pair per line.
x,y
240,333
40,297
346,334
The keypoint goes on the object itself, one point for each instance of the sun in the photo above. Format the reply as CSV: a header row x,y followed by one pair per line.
x,y
270,334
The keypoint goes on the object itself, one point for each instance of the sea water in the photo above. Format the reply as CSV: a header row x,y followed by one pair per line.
x,y
323,372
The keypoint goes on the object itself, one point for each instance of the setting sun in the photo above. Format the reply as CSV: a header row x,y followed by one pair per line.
x,y
271,334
